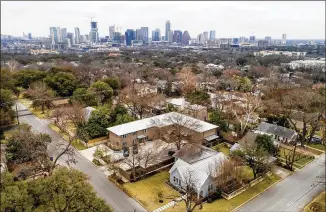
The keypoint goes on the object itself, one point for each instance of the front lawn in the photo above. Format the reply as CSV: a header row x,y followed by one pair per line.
x,y
317,204
302,161
76,143
36,111
224,205
146,191
318,146
222,148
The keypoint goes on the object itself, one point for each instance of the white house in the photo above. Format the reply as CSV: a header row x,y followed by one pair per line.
x,y
279,133
198,165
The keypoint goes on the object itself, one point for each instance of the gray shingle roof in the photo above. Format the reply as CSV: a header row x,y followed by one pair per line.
x,y
276,130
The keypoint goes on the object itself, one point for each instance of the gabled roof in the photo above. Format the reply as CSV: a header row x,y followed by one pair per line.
x,y
199,169
276,130
146,123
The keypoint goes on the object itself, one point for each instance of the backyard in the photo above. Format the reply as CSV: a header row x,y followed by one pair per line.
x,y
222,148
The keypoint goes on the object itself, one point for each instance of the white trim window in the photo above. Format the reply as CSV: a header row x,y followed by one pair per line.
x,y
124,136
210,187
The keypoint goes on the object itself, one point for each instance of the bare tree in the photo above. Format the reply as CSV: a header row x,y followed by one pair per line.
x,y
41,95
244,113
76,114
188,80
177,128
60,116
291,156
12,65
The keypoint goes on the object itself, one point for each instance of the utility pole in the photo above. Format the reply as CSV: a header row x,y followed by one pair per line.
x,y
17,116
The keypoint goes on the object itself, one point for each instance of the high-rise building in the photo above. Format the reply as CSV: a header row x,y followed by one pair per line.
x,y
111,31
269,39
116,37
283,39
235,40
186,38
212,35
242,40
201,39
156,35
70,36
167,29
67,40
77,35
177,36
144,33
262,43
59,35
138,35
129,36
63,34
54,35
252,39
205,36
30,36
94,32
170,36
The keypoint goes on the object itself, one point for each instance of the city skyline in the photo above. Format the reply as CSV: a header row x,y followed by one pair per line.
x,y
226,18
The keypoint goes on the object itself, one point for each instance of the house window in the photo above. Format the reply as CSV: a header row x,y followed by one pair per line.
x,y
174,178
145,130
179,182
210,187
124,136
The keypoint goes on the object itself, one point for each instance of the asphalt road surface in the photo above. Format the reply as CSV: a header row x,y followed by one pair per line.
x,y
293,193
117,199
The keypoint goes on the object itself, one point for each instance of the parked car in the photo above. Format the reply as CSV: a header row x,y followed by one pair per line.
x,y
316,140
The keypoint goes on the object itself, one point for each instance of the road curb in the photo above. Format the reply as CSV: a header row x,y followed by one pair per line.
x,y
257,195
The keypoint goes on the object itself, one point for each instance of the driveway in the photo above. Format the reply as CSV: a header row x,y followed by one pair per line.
x,y
293,193
117,199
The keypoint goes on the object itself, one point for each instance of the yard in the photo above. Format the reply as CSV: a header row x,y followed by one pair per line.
x,y
222,148
76,143
301,162
36,111
146,191
317,204
318,146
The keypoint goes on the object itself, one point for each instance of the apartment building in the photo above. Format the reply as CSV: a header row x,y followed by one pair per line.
x,y
145,130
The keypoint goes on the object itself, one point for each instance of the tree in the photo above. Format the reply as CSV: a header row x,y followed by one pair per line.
x,y
103,90
122,119
6,113
241,61
244,113
177,128
87,74
41,95
12,65
266,142
291,156
188,80
25,145
114,82
255,157
216,118
25,78
65,190
198,97
75,114
62,82
84,96
245,84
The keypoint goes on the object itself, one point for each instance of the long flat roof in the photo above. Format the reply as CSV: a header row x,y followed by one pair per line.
x,y
146,123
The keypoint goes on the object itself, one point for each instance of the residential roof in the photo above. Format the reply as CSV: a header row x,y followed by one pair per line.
x,y
146,123
200,169
177,101
276,130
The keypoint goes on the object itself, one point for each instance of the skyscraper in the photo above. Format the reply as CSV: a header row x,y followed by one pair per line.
x,y
94,32
201,39
252,39
30,36
167,29
242,40
54,35
77,35
138,35
156,35
212,35
283,39
129,36
116,37
59,35
185,38
177,36
70,37
269,39
144,33
64,34
205,35
111,31
170,36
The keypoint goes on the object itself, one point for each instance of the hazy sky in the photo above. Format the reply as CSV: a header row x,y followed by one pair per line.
x,y
299,20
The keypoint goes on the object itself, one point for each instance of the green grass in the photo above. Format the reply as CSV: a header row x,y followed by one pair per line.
x,y
76,143
223,205
36,111
321,199
222,148
146,190
318,146
302,161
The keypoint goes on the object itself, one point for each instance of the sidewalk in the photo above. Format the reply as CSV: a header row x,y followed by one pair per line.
x,y
170,204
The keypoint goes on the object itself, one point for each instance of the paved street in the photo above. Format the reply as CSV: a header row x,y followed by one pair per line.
x,y
107,190
293,193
